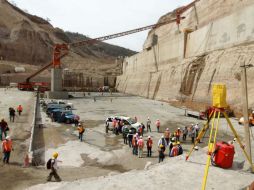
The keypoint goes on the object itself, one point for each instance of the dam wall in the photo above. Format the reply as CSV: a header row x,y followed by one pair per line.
x,y
182,65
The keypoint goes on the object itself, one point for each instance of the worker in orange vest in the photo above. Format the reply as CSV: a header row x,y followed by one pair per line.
x,y
178,133
7,148
81,131
158,124
149,145
19,109
174,151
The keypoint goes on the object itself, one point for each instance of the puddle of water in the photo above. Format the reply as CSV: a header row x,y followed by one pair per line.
x,y
103,141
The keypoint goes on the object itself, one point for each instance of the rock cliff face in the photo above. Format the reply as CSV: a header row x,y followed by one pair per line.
x,y
213,41
28,39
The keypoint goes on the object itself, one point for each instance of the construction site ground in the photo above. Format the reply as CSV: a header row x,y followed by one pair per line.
x,y
102,160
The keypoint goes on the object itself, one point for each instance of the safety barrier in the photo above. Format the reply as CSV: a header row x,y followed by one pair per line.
x,y
34,124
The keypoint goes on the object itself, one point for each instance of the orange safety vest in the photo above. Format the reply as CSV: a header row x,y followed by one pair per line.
x,y
174,151
178,133
81,129
20,108
134,142
7,145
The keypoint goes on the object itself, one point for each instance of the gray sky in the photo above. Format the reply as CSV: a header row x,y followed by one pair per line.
x,y
101,17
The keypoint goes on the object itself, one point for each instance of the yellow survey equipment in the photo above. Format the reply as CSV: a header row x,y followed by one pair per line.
x,y
219,96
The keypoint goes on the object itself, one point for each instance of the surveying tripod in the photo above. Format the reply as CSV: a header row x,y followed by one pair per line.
x,y
215,115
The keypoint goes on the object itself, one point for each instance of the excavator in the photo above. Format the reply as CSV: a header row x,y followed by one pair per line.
x,y
61,50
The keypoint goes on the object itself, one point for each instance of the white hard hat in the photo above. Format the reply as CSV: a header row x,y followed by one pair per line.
x,y
8,138
140,137
162,136
196,147
149,137
178,127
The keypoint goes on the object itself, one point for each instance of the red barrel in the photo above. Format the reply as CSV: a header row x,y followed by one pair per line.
x,y
223,155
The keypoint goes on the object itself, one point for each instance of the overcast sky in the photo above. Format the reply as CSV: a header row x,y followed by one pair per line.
x,y
97,18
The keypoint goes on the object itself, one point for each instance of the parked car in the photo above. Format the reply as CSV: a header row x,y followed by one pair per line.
x,y
51,107
129,122
59,115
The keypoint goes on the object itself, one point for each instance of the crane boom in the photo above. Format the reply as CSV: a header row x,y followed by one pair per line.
x,y
61,50
117,35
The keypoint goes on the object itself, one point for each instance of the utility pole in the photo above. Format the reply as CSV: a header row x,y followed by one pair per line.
x,y
245,110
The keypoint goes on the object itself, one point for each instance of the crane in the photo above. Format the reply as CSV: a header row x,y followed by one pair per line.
x,y
61,50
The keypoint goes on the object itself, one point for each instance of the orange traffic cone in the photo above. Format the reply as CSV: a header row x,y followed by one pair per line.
x,y
26,161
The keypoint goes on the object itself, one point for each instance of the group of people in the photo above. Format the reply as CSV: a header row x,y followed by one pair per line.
x,y
7,146
138,143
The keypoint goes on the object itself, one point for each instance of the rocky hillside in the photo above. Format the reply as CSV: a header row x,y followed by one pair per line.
x,y
29,39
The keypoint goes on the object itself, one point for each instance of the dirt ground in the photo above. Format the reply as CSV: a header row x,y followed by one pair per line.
x,y
100,154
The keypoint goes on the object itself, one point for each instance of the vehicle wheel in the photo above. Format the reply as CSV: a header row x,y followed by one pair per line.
x,y
68,121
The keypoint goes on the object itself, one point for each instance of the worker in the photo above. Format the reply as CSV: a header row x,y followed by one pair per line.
x,y
143,128
149,145
125,134
76,120
3,129
185,133
180,148
140,146
197,129
81,131
114,125
12,114
136,119
162,142
7,148
53,166
193,133
148,124
178,134
19,109
158,124
140,131
134,145
167,135
161,153
174,151
130,137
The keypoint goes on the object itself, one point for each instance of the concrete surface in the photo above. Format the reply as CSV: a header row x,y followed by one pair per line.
x,y
108,151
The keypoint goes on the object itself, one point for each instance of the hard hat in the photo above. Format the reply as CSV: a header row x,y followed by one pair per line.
x,y
253,112
161,145
167,129
178,127
8,138
196,147
149,137
178,142
162,136
174,144
129,131
140,137
79,124
148,118
173,139
55,155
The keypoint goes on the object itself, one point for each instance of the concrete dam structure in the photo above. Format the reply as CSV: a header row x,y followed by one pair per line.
x,y
215,38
